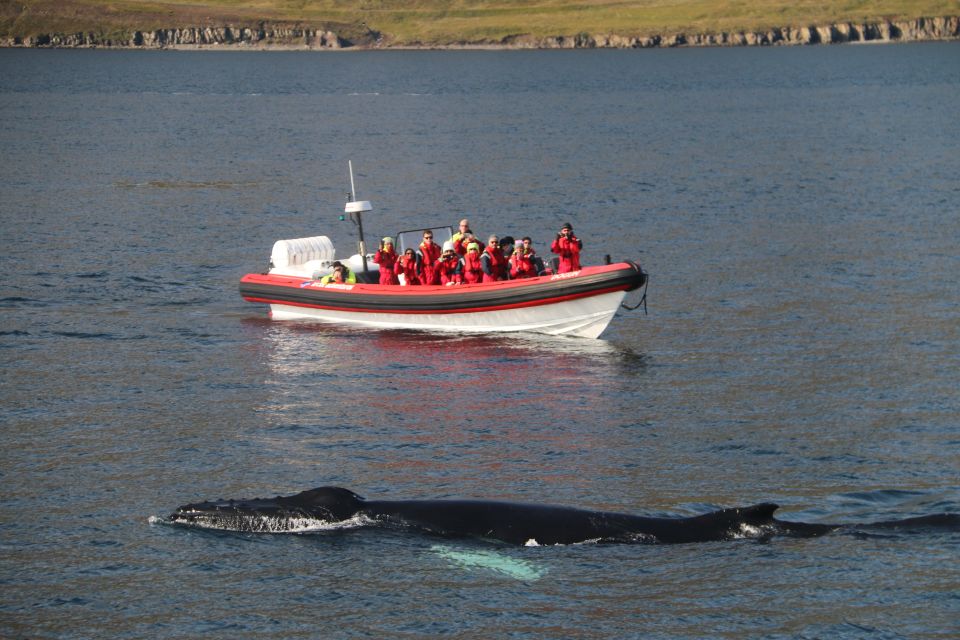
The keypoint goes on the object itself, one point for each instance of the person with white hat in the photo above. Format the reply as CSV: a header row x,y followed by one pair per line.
x,y
450,267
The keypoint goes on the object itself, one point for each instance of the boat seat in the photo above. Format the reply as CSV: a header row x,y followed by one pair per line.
x,y
370,277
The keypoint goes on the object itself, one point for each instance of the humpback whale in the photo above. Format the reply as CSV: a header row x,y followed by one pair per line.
x,y
509,522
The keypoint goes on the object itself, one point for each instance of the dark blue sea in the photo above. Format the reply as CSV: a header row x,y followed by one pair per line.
x,y
798,210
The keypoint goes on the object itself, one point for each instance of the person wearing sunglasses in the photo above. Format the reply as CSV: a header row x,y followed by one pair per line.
x,y
429,258
409,268
493,262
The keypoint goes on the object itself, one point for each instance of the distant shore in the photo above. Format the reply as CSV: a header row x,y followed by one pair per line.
x,y
293,38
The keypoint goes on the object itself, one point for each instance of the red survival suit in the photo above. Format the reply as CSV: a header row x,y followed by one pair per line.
x,y
409,268
472,271
460,242
495,263
569,250
429,256
450,269
522,263
388,262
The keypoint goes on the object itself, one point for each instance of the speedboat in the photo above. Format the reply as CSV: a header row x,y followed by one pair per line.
x,y
577,303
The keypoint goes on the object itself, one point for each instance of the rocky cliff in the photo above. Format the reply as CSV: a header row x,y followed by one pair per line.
x,y
263,36
947,28
276,37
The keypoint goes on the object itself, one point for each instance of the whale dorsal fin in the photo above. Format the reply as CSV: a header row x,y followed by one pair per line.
x,y
344,494
759,512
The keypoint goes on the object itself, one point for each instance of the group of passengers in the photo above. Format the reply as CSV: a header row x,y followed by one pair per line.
x,y
462,261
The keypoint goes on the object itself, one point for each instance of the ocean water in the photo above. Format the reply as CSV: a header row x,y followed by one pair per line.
x,y
798,210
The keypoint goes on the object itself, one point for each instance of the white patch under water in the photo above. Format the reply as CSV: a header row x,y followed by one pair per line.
x,y
491,561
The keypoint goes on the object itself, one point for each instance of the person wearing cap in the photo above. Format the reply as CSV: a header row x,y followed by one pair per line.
x,y
523,262
493,262
463,237
450,267
429,257
387,257
567,246
409,267
507,245
472,271
340,275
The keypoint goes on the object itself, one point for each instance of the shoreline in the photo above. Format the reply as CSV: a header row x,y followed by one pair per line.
x,y
282,38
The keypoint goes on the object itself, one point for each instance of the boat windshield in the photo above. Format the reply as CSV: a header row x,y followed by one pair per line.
x,y
414,237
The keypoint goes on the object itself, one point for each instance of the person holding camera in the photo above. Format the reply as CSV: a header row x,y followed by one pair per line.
x,y
450,267
523,261
341,275
409,267
567,246
462,237
387,258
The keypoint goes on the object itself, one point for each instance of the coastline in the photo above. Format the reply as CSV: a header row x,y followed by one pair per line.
x,y
283,38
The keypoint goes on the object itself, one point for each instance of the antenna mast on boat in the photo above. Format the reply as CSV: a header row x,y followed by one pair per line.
x,y
357,207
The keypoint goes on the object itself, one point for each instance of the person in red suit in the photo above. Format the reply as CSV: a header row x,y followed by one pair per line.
x,y
429,257
387,257
450,266
409,267
567,246
493,262
523,262
472,271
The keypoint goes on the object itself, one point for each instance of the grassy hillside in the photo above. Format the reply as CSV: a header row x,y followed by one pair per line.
x,y
449,21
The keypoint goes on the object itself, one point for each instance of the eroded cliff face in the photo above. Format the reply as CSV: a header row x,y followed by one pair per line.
x,y
267,37
188,37
947,28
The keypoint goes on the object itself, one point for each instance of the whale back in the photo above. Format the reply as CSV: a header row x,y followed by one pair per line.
x,y
725,524
518,523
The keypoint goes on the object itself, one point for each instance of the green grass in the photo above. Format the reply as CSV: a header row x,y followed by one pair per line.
x,y
450,21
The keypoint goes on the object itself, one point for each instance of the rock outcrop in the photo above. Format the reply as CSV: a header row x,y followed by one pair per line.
x,y
189,37
283,37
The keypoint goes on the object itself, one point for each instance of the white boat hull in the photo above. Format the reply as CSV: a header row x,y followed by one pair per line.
x,y
585,317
